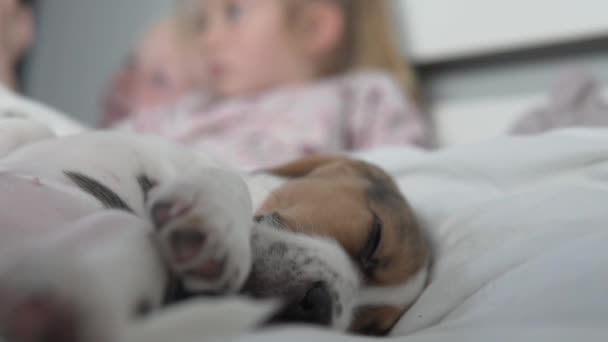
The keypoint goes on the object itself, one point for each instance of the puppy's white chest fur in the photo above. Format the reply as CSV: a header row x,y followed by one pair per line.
x,y
261,185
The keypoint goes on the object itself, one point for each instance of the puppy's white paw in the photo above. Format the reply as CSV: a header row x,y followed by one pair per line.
x,y
203,223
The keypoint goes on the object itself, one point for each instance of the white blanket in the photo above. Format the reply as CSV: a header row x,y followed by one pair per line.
x,y
520,234
13,105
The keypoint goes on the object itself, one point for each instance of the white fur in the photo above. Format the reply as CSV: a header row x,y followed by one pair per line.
x,y
103,262
102,268
283,259
399,296
222,201
201,320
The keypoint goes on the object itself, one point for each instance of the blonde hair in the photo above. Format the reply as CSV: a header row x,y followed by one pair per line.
x,y
369,41
185,16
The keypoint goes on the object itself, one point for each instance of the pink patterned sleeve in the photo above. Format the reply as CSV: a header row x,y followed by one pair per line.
x,y
148,121
380,114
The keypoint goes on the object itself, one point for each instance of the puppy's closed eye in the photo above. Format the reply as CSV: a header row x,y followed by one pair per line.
x,y
274,218
367,257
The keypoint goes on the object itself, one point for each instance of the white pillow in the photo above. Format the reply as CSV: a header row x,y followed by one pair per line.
x,y
13,105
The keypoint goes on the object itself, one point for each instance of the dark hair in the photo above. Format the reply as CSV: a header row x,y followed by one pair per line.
x,y
22,63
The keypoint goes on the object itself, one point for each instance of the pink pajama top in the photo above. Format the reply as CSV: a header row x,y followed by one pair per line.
x,y
360,110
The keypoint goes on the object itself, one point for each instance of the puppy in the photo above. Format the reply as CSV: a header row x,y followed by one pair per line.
x,y
118,216
94,226
338,240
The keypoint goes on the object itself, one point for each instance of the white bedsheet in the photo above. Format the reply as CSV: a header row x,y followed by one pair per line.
x,y
15,105
520,233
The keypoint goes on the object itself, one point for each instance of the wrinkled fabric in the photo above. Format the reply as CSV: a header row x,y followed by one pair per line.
x,y
574,101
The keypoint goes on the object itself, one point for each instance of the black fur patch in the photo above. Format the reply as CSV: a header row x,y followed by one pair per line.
x,y
176,292
383,190
105,195
146,184
374,329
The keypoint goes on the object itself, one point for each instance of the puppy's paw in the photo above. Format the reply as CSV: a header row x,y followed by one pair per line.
x,y
203,224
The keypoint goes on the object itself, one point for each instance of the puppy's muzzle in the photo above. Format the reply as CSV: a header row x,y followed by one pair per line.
x,y
315,307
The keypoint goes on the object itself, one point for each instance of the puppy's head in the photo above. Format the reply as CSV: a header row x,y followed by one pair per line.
x,y
340,243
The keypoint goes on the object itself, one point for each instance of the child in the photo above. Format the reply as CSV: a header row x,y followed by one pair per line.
x,y
293,78
161,70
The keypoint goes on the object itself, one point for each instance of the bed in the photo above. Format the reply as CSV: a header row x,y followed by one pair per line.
x,y
519,234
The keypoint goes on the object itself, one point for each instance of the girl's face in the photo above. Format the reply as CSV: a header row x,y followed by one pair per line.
x,y
249,46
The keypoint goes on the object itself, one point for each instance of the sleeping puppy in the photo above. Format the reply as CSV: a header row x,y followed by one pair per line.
x,y
93,227
336,241
336,238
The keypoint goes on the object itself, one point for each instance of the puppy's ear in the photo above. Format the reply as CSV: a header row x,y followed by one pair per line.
x,y
302,167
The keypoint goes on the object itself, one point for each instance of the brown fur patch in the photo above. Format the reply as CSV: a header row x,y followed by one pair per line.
x,y
376,321
338,197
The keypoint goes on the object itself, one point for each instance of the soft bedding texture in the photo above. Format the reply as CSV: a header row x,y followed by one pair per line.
x,y
13,105
519,228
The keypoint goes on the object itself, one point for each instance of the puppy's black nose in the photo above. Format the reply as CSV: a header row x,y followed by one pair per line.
x,y
316,307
